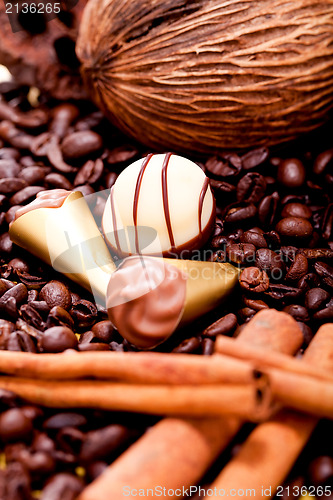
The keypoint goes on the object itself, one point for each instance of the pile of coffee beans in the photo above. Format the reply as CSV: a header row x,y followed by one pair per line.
x,y
274,221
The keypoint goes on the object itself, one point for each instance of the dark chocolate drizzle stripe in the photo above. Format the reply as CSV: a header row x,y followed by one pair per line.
x,y
114,218
166,198
201,202
136,197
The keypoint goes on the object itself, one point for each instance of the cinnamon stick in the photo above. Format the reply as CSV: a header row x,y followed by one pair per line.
x,y
141,367
270,451
249,401
227,346
176,453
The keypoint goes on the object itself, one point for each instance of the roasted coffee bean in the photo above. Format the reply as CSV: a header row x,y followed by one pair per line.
x,y
291,173
84,313
19,264
101,443
99,207
325,315
299,313
85,190
90,173
17,482
62,116
25,195
189,345
33,175
15,426
32,282
32,412
306,331
327,223
32,316
321,471
41,307
19,292
254,158
42,442
62,486
283,293
271,262
296,210
325,271
272,239
241,253
207,347
64,419
224,167
56,293
255,304
254,280
267,209
104,331
9,168
93,346
316,298
6,245
10,214
294,227
223,326
251,187
298,268
114,346
58,339
55,180
11,185
89,121
246,314
322,161
308,281
58,316
95,469
80,144
110,179
21,342
15,137
69,439
240,213
254,237
9,154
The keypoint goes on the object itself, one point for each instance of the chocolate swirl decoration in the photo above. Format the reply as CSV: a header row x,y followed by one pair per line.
x,y
197,241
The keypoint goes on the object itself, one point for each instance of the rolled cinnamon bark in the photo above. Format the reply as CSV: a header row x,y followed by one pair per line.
x,y
176,453
269,453
138,367
264,360
250,401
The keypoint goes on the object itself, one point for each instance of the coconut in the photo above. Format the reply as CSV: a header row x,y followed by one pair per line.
x,y
209,75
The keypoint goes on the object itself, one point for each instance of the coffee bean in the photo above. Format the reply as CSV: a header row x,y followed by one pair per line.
x,y
64,419
254,280
207,347
316,298
15,426
100,444
291,173
11,185
80,144
33,175
32,316
17,482
90,173
15,137
298,268
267,209
62,486
223,326
63,116
86,190
25,195
58,339
110,179
56,293
10,214
58,316
271,262
321,471
294,227
254,237
9,168
325,271
299,313
251,187
255,304
254,158
241,253
308,281
19,292
327,223
104,331
20,341
223,167
89,121
283,293
84,313
58,181
307,333
322,161
189,345
246,314
95,469
122,154
19,264
93,346
240,213
296,210
9,154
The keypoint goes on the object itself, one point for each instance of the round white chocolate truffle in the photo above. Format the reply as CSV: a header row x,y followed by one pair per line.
x,y
159,205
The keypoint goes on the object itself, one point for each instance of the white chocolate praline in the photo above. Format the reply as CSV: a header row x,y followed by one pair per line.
x,y
161,204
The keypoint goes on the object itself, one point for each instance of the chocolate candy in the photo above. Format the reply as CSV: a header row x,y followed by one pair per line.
x,y
160,205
